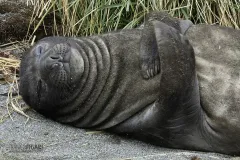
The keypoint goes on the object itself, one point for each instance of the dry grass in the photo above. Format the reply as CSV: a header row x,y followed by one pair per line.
x,y
9,68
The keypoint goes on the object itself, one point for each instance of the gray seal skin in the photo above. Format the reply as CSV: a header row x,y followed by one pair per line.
x,y
217,53
99,82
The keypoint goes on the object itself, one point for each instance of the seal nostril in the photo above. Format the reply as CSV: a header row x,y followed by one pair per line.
x,y
55,57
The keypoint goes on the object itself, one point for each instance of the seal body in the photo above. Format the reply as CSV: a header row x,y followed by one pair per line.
x,y
217,53
125,82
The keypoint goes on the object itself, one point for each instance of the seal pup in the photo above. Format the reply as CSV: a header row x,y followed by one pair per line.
x,y
123,83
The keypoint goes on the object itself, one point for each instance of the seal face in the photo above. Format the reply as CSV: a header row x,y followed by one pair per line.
x,y
49,68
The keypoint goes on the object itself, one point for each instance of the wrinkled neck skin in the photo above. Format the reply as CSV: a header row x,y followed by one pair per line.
x,y
97,66
108,91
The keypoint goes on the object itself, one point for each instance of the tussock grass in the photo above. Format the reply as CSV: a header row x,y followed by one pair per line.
x,y
89,17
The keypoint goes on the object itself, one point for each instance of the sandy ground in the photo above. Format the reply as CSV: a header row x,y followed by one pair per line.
x,y
43,139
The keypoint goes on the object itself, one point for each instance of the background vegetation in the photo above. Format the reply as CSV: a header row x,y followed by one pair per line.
x,y
86,17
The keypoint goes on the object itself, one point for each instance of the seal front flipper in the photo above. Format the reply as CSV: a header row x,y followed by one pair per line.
x,y
149,56
156,38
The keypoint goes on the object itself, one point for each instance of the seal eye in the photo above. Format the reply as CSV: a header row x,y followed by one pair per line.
x,y
39,50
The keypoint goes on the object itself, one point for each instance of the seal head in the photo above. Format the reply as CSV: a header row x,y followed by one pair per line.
x,y
53,65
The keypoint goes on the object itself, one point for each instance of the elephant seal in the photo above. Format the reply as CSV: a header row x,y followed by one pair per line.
x,y
129,83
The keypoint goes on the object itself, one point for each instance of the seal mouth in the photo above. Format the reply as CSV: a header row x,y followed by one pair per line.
x,y
56,65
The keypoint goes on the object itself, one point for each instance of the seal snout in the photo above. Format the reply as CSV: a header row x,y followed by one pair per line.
x,y
54,65
58,56
60,52
54,62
